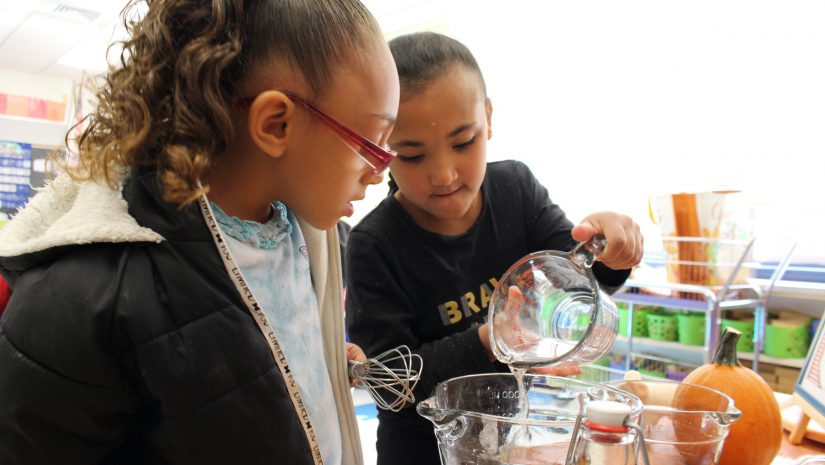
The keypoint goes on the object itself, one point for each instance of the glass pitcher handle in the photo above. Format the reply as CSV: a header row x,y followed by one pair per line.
x,y
586,253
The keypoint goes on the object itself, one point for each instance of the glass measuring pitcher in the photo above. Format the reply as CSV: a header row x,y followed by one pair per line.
x,y
683,424
478,418
548,309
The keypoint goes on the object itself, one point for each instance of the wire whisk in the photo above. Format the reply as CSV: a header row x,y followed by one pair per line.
x,y
389,377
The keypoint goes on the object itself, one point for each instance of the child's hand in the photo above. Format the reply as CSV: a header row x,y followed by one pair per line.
x,y
625,243
355,354
564,369
508,325
512,331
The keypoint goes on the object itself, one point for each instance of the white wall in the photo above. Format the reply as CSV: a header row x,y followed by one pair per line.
x,y
37,132
611,102
32,85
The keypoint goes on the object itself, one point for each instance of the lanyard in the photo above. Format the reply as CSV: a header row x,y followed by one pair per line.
x,y
280,358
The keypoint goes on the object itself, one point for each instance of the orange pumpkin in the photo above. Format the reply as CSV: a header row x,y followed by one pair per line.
x,y
756,437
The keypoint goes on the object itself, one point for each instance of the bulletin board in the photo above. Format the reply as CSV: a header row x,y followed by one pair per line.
x,y
15,175
22,168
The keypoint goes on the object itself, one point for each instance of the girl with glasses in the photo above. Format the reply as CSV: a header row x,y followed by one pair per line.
x,y
177,294
422,266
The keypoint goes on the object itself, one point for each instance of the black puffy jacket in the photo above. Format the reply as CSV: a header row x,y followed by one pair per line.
x,y
125,341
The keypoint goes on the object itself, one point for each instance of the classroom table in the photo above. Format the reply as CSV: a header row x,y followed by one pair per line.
x,y
790,453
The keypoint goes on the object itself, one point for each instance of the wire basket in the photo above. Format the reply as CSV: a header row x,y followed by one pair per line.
x,y
709,262
649,367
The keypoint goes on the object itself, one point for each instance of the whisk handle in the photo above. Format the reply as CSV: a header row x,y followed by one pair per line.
x,y
357,370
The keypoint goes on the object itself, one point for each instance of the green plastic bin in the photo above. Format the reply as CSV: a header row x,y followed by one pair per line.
x,y
652,373
662,326
639,321
745,327
691,328
787,341
602,362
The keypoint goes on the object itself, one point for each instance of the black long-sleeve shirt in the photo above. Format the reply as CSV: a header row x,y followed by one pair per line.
x,y
406,285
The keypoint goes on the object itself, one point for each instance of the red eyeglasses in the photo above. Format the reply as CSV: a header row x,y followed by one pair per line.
x,y
377,157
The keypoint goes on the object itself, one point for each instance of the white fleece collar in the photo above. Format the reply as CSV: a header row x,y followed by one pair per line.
x,y
69,213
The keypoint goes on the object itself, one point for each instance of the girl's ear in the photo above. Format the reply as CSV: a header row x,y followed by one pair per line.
x,y
269,122
488,104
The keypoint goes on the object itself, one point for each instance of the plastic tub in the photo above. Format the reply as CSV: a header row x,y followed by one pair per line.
x,y
639,321
602,362
745,327
691,328
786,340
675,375
662,327
618,362
652,373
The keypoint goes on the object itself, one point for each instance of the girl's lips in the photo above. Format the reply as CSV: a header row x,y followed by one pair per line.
x,y
446,194
349,209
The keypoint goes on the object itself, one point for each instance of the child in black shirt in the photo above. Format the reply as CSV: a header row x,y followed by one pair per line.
x,y
422,266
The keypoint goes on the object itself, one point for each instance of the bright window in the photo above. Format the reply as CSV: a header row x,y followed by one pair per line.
x,y
611,103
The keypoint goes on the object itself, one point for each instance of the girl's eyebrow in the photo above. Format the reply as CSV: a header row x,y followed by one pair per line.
x,y
460,129
415,143
408,143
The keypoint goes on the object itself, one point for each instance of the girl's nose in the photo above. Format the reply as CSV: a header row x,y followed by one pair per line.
x,y
370,177
442,173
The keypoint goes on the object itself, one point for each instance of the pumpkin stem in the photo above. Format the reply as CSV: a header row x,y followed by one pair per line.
x,y
726,352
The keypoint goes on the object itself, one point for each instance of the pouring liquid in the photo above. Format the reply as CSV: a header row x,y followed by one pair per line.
x,y
523,433
563,319
529,354
521,449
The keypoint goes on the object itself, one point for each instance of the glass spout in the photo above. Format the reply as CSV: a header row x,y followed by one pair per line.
x,y
439,416
726,418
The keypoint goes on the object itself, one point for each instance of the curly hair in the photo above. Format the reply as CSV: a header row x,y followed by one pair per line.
x,y
171,101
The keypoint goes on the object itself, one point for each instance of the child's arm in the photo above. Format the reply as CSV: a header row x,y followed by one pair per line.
x,y
381,315
549,229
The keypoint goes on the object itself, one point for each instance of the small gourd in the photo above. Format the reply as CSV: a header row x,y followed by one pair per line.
x,y
757,436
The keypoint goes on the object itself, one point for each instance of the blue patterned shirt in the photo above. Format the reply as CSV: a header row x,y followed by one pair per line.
x,y
274,260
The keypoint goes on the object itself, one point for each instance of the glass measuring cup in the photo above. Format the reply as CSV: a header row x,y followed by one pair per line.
x,y
479,419
548,309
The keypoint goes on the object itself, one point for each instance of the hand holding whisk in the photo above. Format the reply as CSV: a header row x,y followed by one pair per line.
x,y
389,377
